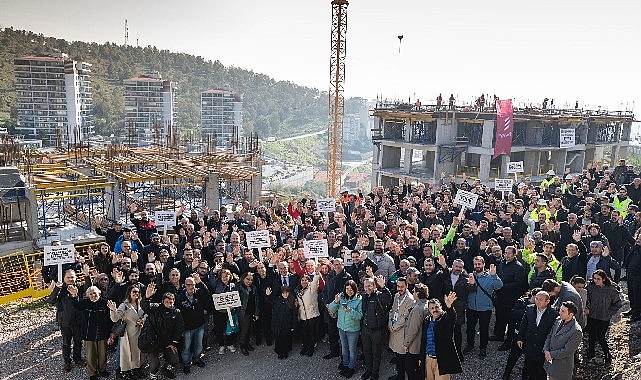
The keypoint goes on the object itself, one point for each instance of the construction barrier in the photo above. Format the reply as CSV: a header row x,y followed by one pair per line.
x,y
21,275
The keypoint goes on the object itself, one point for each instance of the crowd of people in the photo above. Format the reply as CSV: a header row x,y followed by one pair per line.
x,y
407,270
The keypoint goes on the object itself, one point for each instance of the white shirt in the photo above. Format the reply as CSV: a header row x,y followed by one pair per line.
x,y
539,314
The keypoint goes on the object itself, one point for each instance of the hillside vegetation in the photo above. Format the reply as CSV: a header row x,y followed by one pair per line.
x,y
271,108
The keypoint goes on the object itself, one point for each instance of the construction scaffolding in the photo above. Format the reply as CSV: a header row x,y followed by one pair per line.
x,y
70,187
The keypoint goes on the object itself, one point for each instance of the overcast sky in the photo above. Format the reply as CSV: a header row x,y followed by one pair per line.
x,y
565,50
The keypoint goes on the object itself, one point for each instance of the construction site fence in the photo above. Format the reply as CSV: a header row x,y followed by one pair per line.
x,y
21,274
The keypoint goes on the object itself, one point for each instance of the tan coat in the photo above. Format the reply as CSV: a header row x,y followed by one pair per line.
x,y
308,300
397,329
414,325
130,355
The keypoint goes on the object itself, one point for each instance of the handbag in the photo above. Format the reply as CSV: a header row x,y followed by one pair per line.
x,y
148,338
119,328
231,330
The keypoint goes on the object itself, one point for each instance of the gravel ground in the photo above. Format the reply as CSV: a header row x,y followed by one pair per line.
x,y
30,349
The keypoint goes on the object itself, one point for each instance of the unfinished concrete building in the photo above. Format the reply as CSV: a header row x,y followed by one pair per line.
x,y
421,142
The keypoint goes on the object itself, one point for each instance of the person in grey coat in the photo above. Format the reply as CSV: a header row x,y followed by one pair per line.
x,y
564,291
561,344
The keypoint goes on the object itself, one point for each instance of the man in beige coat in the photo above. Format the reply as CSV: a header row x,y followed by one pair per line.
x,y
413,328
403,302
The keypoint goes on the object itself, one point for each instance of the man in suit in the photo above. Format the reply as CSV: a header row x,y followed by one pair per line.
x,y
562,342
401,306
535,326
283,277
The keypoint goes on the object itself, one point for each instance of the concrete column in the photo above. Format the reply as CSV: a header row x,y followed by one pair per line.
x,y
32,214
212,193
112,202
408,130
256,187
484,168
488,133
408,160
505,159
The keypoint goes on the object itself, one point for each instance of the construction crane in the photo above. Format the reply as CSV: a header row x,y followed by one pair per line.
x,y
336,109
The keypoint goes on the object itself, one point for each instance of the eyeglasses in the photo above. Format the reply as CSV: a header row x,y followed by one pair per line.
x,y
135,291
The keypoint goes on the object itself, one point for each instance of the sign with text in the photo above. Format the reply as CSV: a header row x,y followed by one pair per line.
x,y
347,260
165,218
326,205
315,248
257,239
515,167
466,199
222,301
59,254
503,184
566,138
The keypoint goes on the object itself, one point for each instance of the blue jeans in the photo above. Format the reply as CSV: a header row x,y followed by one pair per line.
x,y
349,339
193,345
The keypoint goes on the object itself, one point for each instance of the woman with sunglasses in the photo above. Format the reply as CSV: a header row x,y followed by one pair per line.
x,y
131,313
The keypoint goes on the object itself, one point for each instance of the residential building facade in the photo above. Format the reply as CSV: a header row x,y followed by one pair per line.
x,y
221,116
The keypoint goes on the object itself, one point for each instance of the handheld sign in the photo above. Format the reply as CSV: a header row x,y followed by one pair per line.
x,y
227,301
165,219
503,185
515,167
466,199
258,239
58,255
316,248
326,205
347,260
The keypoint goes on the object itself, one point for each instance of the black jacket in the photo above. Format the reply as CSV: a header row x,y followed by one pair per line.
x,y
334,284
66,314
533,336
169,323
376,309
96,324
538,277
633,262
513,275
446,356
438,283
194,311
284,315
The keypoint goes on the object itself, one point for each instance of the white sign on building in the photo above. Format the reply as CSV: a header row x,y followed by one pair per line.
x,y
566,138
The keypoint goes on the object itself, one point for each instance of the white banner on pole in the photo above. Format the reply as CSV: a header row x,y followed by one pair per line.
x,y
515,167
566,138
503,184
59,254
466,199
257,239
165,218
222,301
315,248
326,205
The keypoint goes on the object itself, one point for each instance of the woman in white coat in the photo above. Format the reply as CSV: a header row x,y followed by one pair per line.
x,y
130,312
308,313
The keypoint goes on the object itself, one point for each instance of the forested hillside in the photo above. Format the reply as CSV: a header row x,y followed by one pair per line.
x,y
271,108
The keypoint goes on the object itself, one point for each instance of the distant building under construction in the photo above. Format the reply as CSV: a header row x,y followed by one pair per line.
x,y
420,142
150,109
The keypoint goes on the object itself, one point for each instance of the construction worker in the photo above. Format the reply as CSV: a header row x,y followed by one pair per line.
x,y
621,201
549,179
528,256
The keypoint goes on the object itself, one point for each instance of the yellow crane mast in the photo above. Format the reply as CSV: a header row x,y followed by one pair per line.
x,y
336,109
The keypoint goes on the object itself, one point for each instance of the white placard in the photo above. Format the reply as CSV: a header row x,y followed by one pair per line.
x,y
503,184
315,248
222,301
466,199
165,218
257,239
59,254
566,138
326,205
347,260
515,167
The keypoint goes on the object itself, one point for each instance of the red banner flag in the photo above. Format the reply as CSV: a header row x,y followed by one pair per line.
x,y
504,127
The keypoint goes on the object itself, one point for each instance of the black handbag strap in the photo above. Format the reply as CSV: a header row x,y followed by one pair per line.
x,y
480,287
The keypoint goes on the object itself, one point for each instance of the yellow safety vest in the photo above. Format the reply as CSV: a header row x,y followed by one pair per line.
x,y
621,207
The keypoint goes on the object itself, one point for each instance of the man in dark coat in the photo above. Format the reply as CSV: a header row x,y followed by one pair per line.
x,y
633,271
377,301
438,338
512,273
168,322
535,327
335,283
